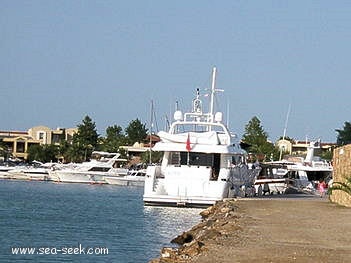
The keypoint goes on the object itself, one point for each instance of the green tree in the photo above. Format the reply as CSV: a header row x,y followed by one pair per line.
x,y
344,135
136,131
4,151
75,153
85,140
327,155
43,153
35,152
64,150
156,157
257,138
114,138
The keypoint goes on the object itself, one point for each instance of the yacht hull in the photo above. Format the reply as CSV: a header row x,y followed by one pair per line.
x,y
176,201
278,186
76,177
124,181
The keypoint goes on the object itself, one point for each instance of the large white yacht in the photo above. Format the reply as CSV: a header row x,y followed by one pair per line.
x,y
202,162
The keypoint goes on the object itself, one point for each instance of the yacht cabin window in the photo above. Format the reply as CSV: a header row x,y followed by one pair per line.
x,y
199,159
210,160
99,169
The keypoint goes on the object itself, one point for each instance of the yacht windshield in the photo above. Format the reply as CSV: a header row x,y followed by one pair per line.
x,y
181,128
194,158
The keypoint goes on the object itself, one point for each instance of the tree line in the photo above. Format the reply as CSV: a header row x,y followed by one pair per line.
x,y
87,140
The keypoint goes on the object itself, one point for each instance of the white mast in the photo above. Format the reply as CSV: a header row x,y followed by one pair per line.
x,y
285,128
212,92
286,121
151,129
228,114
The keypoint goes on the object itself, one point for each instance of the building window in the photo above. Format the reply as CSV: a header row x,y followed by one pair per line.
x,y
41,136
20,147
56,138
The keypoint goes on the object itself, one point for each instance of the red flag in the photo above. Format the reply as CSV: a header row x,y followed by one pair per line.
x,y
188,146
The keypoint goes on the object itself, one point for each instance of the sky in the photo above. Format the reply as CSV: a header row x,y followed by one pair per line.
x,y
63,60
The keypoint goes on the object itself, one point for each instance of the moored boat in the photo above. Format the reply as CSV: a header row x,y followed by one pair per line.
x,y
294,174
36,171
271,179
202,161
132,178
94,171
4,170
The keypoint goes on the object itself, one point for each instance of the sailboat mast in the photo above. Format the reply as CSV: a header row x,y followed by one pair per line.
x,y
151,128
286,122
284,132
212,92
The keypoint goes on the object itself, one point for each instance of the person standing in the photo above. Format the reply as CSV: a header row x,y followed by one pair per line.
x,y
321,187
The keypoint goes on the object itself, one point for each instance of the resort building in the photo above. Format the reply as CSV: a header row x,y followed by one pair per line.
x,y
135,151
45,135
299,147
17,143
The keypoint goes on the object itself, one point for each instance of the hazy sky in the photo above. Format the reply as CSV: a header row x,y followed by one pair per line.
x,y
62,60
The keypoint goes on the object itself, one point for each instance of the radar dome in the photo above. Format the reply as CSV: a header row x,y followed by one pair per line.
x,y
178,115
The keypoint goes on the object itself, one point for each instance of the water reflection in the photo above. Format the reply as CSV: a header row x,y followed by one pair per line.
x,y
37,214
169,222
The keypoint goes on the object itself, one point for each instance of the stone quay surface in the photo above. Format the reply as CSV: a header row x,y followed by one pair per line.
x,y
287,228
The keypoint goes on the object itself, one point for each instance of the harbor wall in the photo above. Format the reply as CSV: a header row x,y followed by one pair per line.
x,y
341,171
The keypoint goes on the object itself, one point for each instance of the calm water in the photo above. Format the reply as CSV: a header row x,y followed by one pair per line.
x,y
61,219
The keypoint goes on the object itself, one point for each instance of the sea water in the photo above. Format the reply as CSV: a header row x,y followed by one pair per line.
x,y
58,222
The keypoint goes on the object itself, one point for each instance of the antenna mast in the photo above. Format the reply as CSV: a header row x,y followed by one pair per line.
x,y
286,121
151,128
285,128
213,92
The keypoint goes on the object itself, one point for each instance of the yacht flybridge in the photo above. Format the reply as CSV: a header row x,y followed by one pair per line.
x,y
202,162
